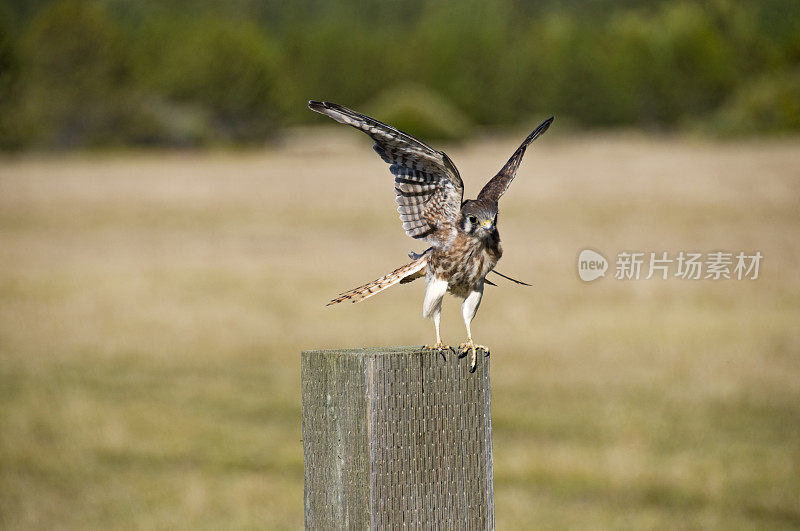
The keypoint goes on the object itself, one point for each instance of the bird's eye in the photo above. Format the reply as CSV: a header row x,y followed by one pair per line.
x,y
473,219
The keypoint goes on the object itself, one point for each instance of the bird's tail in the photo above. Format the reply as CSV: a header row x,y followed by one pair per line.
x,y
402,274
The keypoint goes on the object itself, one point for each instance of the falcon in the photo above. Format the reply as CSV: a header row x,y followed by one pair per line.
x,y
463,238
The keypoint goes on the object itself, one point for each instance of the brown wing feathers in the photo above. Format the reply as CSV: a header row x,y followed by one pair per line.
x,y
428,188
403,274
499,183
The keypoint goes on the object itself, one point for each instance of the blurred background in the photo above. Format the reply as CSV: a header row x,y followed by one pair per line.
x,y
193,73
173,220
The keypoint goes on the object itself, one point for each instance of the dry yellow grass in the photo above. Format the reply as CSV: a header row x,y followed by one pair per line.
x,y
153,307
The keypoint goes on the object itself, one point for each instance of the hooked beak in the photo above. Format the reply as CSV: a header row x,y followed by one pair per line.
x,y
487,224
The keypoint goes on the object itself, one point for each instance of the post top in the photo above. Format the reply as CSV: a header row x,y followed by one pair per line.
x,y
361,351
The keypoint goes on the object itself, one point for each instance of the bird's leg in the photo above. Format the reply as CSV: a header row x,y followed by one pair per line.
x,y
432,308
468,309
470,346
437,314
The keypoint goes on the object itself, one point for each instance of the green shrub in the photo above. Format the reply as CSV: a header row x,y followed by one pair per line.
x,y
71,90
9,76
466,51
339,59
769,104
212,78
420,112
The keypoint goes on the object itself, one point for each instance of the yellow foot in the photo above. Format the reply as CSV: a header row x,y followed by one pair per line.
x,y
441,347
438,346
470,346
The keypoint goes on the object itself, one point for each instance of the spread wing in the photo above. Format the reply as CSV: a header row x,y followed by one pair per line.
x,y
427,185
499,183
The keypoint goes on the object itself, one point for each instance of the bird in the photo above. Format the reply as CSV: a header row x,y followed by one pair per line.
x,y
462,234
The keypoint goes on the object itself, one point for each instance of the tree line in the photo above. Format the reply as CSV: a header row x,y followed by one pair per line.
x,y
83,73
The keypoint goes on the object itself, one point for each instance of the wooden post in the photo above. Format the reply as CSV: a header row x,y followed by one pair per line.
x,y
396,436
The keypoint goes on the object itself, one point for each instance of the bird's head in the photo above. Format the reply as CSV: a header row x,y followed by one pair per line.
x,y
479,218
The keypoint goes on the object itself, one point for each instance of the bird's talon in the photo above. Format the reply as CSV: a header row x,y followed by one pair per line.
x,y
441,347
473,349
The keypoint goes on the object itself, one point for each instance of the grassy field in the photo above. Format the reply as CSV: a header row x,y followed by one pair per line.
x,y
153,307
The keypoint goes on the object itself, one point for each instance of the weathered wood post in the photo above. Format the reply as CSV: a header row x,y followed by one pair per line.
x,y
396,436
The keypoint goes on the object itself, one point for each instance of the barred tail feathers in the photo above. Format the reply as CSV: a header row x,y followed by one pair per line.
x,y
405,273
